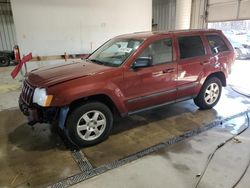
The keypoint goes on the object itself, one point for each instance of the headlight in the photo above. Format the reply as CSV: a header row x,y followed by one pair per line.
x,y
41,98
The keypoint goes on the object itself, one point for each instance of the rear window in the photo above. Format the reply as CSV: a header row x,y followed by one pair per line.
x,y
190,46
216,44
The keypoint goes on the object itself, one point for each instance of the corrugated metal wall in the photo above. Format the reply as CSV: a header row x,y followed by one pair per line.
x,y
7,28
164,12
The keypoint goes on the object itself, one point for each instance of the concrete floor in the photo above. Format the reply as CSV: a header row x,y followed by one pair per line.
x,y
149,128
178,165
37,157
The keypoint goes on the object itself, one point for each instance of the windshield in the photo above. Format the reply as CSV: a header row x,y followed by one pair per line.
x,y
115,52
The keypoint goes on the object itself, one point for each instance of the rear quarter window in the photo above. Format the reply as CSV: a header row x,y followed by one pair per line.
x,y
216,44
190,46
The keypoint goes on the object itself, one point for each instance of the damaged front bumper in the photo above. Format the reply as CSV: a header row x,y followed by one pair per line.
x,y
37,114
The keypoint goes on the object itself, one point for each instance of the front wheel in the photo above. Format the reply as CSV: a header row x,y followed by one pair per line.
x,y
210,94
89,124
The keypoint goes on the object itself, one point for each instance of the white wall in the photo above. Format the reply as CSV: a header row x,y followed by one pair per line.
x,y
183,14
52,27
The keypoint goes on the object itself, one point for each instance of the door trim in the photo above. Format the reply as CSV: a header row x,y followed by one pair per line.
x,y
187,86
151,95
159,105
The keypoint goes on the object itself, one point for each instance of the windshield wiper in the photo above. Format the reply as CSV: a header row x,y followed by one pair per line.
x,y
101,62
97,61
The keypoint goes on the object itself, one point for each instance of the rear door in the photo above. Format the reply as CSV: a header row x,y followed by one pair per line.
x,y
191,60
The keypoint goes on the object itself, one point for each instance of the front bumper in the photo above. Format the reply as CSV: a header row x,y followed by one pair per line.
x,y
37,114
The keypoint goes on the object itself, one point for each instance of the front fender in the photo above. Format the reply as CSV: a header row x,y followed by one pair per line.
x,y
63,116
64,94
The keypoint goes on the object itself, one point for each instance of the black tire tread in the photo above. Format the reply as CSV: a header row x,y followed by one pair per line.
x,y
199,100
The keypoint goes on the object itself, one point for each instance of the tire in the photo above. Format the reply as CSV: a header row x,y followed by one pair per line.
x,y
4,62
209,94
238,53
89,124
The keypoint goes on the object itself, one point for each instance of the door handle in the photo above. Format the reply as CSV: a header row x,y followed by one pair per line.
x,y
205,62
156,74
160,73
170,70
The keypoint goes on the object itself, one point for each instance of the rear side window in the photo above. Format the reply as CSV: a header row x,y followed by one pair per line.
x,y
190,46
216,44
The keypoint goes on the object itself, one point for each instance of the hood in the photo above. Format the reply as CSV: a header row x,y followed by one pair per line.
x,y
51,75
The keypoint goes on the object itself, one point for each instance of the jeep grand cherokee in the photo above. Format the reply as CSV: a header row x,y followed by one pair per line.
x,y
126,75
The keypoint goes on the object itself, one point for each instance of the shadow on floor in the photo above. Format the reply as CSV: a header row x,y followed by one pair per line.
x,y
37,138
31,158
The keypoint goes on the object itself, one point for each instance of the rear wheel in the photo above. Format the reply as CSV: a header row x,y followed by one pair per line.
x,y
89,124
238,54
4,62
210,94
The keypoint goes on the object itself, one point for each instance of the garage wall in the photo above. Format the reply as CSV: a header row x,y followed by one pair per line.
x,y
226,10
52,27
183,14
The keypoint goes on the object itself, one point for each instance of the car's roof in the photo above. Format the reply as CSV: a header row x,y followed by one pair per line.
x,y
149,34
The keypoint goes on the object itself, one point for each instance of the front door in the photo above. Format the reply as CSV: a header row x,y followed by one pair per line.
x,y
155,84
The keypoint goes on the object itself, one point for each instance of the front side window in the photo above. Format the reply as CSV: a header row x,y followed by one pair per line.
x,y
190,46
216,44
115,52
160,51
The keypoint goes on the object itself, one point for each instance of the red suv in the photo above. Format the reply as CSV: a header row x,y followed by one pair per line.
x,y
126,75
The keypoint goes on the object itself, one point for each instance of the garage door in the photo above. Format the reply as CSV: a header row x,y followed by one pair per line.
x,y
225,10
7,30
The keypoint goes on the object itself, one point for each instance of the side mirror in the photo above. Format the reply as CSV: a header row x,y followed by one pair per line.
x,y
142,62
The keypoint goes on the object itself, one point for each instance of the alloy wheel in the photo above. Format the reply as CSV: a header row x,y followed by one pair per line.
x,y
212,93
91,125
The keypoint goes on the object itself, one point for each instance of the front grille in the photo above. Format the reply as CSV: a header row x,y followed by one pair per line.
x,y
27,93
